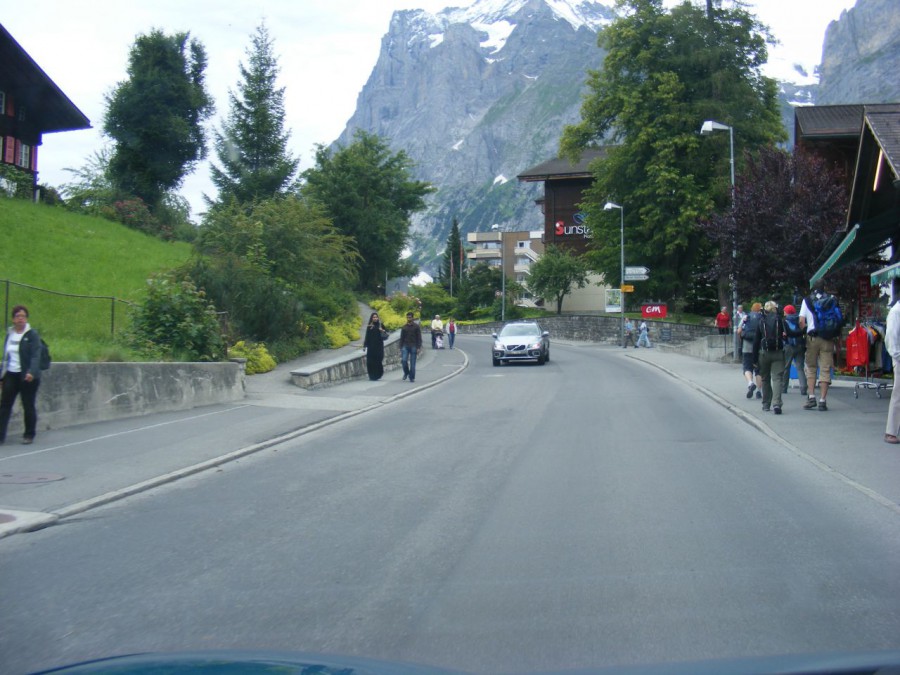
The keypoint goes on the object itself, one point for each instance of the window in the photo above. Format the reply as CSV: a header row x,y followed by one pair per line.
x,y
21,113
25,156
2,102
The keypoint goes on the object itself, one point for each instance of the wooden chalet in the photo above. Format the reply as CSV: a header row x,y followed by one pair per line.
x,y
30,105
870,134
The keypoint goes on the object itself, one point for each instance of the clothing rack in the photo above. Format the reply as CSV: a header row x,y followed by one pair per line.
x,y
859,341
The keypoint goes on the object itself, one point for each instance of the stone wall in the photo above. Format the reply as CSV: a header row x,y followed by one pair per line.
x,y
77,393
347,367
596,328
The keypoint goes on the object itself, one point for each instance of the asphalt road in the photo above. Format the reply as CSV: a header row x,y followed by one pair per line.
x,y
589,512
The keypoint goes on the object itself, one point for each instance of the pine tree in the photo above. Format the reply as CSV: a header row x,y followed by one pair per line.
x,y
452,263
252,144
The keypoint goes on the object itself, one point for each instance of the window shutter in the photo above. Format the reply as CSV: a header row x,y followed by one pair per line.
x,y
9,156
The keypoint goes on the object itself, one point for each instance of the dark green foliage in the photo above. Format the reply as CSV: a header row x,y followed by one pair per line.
x,y
177,322
453,261
156,116
252,145
664,74
435,300
553,276
479,289
368,192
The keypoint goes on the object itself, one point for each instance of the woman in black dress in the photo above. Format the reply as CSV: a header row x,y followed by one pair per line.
x,y
374,346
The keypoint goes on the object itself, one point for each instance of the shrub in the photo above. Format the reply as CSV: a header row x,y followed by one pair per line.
x,y
176,322
342,332
258,358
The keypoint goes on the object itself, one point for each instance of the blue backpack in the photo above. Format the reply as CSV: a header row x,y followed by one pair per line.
x,y
792,329
829,319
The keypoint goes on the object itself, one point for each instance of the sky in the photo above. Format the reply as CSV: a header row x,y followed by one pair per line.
x,y
326,49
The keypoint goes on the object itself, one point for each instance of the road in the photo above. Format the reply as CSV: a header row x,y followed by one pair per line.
x,y
589,512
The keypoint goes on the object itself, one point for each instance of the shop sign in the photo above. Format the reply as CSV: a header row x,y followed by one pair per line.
x,y
654,311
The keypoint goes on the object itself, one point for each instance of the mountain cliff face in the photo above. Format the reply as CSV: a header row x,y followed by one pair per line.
x,y
861,55
475,96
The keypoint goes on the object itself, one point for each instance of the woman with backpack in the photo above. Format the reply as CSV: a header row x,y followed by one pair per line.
x,y
20,373
768,352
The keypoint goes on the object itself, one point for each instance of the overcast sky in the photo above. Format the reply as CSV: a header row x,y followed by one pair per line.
x,y
326,50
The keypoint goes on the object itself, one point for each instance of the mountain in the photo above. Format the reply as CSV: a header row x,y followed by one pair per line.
x,y
475,96
861,55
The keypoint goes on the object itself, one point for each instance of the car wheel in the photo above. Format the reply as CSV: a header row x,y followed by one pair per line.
x,y
547,356
541,360
496,362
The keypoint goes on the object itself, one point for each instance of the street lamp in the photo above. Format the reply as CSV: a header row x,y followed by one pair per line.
x,y
497,228
608,207
710,127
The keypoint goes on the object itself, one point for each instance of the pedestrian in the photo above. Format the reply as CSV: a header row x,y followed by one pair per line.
x,y
644,337
794,350
768,352
750,367
629,334
892,342
739,316
437,328
451,331
373,344
410,346
723,322
20,373
821,318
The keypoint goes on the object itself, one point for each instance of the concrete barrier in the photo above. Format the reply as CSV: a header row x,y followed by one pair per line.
x,y
77,393
350,366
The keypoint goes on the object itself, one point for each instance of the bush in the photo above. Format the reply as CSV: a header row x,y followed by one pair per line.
x,y
258,358
176,322
342,332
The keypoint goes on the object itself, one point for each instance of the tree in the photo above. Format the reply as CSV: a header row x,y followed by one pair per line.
x,y
479,288
666,72
252,145
786,208
452,262
555,273
368,192
156,116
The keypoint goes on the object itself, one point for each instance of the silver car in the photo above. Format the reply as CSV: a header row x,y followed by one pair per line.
x,y
521,341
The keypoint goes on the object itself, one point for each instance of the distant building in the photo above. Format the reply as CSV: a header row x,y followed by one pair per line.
x,y
31,105
515,251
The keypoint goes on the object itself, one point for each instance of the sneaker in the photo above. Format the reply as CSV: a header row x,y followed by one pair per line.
x,y
27,440
758,394
810,404
750,389
405,376
890,438
822,405
777,409
766,408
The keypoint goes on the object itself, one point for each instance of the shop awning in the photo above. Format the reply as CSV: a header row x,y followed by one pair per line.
x,y
863,239
885,274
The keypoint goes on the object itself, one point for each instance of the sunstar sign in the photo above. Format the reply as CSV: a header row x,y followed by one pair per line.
x,y
576,228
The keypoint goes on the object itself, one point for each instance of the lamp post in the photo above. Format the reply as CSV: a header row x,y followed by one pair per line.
x,y
497,228
608,207
710,127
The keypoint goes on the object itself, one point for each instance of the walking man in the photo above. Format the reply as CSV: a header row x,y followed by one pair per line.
x,y
794,350
410,346
892,342
822,320
768,352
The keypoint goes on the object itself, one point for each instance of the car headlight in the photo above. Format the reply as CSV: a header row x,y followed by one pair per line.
x,y
535,345
498,346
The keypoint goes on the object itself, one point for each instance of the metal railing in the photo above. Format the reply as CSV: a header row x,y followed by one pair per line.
x,y
36,302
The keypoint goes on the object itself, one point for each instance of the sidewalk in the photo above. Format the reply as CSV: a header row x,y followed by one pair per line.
x,y
72,470
847,440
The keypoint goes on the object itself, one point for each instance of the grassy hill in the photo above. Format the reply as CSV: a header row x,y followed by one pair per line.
x,y
69,254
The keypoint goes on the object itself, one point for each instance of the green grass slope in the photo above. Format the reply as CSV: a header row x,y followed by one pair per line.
x,y
69,254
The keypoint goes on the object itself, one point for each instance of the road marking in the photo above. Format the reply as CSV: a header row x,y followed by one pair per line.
x,y
122,433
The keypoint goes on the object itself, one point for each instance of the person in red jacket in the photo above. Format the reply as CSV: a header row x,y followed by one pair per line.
x,y
723,321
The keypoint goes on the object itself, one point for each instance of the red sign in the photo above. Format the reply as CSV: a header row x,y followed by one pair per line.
x,y
654,311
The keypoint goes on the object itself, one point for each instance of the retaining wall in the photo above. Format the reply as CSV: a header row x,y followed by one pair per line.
x,y
347,367
77,393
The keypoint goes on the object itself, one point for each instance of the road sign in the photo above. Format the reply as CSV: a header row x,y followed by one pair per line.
x,y
636,277
626,288
636,270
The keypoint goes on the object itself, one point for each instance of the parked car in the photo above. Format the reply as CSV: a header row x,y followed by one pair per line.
x,y
521,341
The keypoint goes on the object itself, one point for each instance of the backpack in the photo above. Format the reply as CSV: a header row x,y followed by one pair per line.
x,y
748,329
792,328
46,360
770,331
829,319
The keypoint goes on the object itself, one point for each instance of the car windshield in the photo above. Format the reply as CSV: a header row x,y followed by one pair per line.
x,y
520,330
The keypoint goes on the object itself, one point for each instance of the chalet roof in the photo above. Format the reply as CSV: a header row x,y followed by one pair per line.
x,y
884,121
829,120
561,168
49,108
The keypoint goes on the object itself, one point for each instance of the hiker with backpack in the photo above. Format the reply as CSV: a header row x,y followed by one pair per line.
x,y
747,333
821,318
794,350
768,352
